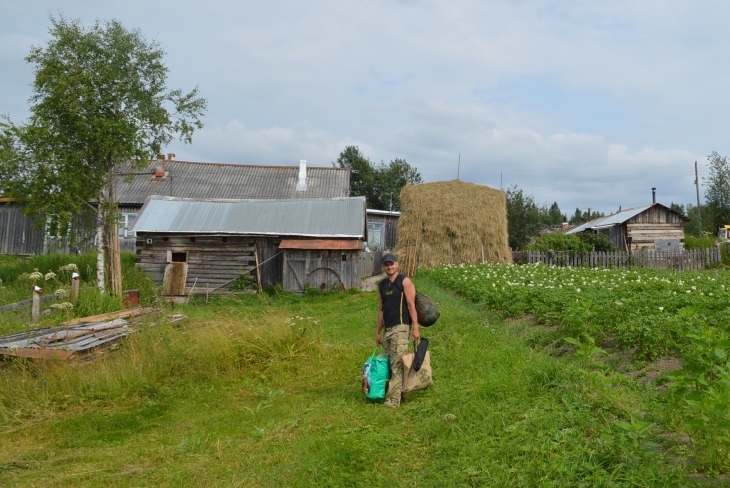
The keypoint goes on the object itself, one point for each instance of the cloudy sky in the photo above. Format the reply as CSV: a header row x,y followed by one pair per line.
x,y
586,103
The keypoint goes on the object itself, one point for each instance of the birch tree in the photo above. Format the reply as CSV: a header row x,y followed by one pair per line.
x,y
100,98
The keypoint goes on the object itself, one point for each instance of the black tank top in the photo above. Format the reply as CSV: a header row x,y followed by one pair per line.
x,y
395,307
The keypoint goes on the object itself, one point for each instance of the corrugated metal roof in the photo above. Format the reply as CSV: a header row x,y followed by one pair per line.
x,y
311,217
185,179
617,218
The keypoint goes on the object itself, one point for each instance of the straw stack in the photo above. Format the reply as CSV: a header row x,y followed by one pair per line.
x,y
451,222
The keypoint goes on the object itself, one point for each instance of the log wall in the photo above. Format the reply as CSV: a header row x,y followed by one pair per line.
x,y
214,261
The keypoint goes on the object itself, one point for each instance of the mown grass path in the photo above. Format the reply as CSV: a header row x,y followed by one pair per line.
x,y
502,413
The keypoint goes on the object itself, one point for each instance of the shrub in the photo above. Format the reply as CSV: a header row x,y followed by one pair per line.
x,y
558,242
692,242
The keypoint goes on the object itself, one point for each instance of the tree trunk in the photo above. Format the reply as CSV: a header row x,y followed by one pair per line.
x,y
115,260
100,249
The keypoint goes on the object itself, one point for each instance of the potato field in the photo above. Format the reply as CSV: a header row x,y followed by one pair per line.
x,y
652,313
650,310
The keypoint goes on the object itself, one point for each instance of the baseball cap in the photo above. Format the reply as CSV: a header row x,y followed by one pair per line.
x,y
389,258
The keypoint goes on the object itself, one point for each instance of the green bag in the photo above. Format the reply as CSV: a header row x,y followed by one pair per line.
x,y
375,376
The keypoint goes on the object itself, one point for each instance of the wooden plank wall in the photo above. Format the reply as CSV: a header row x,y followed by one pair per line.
x,y
212,263
320,269
272,271
643,234
17,234
391,227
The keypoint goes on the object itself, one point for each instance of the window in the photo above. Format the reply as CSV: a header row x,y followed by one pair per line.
x,y
125,220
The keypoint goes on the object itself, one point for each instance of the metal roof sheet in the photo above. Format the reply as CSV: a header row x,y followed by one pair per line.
x,y
312,217
617,218
185,179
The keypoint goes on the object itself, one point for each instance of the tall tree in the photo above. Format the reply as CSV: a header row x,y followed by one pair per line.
x,y
717,192
362,179
381,184
555,216
100,98
523,217
390,180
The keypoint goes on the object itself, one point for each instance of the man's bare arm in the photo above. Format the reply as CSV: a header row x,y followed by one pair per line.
x,y
409,289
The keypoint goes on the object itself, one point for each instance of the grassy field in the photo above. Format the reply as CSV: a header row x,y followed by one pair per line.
x,y
264,391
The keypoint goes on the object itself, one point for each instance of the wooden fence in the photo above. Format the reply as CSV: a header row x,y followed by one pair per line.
x,y
679,260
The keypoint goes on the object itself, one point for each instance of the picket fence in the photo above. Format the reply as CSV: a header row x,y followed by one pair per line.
x,y
694,259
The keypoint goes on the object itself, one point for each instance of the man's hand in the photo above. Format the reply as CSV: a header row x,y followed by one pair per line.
x,y
416,332
378,340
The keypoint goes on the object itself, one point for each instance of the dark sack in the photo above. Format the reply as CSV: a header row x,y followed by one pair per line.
x,y
426,309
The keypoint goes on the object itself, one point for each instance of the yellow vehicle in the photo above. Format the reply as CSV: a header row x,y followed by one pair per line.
x,y
724,233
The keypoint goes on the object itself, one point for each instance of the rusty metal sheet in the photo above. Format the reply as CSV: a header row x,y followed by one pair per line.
x,y
322,244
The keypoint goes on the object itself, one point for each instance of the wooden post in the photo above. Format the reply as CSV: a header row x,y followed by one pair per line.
x,y
36,304
482,253
258,271
75,280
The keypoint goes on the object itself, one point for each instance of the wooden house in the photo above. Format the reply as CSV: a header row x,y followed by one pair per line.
x,y
167,176
218,245
651,227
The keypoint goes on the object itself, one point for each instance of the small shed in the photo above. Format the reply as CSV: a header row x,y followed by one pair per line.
x,y
651,227
382,229
219,245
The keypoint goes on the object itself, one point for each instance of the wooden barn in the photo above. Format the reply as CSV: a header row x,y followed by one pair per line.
x,y
220,245
651,227
382,229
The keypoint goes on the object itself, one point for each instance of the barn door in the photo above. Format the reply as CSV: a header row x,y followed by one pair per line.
x,y
295,270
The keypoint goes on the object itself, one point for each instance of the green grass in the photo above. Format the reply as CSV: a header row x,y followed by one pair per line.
x,y
264,391
91,302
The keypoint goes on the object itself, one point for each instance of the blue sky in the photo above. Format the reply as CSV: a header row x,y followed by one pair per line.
x,y
587,103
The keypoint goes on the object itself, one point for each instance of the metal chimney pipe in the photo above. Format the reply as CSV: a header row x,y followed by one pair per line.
x,y
302,184
653,195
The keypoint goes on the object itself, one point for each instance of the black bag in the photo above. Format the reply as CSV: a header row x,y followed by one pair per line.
x,y
420,353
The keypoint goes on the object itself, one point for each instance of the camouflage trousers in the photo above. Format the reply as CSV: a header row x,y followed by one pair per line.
x,y
395,344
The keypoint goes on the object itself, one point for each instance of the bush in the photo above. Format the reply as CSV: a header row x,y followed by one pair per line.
x,y
597,242
559,242
692,242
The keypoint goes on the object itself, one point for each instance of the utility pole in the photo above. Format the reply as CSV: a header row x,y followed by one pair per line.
x,y
699,213
500,181
458,168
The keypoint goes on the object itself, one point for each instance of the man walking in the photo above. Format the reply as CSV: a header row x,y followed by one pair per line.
x,y
397,314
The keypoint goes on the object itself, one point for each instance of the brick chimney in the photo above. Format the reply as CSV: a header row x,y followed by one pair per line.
x,y
160,167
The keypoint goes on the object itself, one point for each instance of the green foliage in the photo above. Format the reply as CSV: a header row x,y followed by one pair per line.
x,y
704,242
596,242
585,350
525,219
242,282
702,391
559,242
15,267
583,216
379,184
99,99
717,193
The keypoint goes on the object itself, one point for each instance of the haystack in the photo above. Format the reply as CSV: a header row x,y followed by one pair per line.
x,y
451,222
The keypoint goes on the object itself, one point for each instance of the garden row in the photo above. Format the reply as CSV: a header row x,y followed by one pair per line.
x,y
650,310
